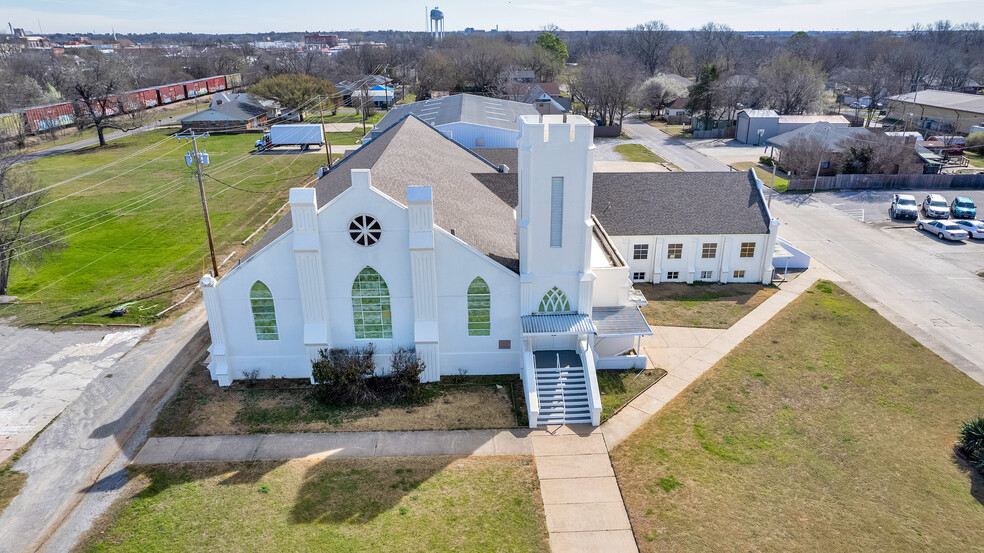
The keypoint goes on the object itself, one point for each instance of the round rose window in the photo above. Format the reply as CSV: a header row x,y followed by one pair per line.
x,y
365,230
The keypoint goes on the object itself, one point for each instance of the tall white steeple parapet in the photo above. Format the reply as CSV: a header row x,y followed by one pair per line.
x,y
423,276
556,159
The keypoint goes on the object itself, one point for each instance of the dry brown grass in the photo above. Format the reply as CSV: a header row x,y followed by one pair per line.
x,y
828,429
202,408
401,505
702,305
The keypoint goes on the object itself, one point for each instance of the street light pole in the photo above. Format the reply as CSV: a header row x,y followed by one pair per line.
x,y
201,188
772,187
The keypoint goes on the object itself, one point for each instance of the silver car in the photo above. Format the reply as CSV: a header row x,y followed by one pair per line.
x,y
935,206
974,228
945,230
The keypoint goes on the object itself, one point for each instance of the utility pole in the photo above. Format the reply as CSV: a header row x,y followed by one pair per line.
x,y
201,188
772,187
321,111
362,107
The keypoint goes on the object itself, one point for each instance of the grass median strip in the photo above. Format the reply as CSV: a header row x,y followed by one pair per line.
x,y
340,505
828,429
701,305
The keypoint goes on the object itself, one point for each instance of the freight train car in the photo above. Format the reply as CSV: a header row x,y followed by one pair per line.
x,y
195,88
42,118
140,99
11,125
111,105
170,93
233,81
215,84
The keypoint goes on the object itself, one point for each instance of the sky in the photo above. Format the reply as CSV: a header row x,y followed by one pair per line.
x,y
255,16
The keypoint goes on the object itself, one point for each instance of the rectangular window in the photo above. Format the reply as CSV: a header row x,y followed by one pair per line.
x,y
706,275
672,275
739,274
709,251
640,251
825,165
747,249
674,251
556,212
638,276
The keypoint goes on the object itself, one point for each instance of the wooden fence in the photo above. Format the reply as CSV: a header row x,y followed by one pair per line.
x,y
878,182
607,132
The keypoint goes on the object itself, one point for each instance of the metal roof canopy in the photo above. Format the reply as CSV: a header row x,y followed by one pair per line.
x,y
557,323
620,321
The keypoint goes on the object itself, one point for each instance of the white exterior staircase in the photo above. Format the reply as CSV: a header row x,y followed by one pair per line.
x,y
561,388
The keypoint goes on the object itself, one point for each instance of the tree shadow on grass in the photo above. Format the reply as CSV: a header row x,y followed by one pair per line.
x,y
341,491
976,478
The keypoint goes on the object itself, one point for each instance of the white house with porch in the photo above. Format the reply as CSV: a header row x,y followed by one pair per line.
x,y
414,240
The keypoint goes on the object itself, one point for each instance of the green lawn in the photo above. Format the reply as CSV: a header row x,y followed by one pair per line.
x,y
399,505
345,138
343,117
638,152
701,305
764,174
134,232
828,429
977,160
620,387
408,99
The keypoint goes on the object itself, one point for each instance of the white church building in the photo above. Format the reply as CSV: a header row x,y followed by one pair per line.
x,y
415,240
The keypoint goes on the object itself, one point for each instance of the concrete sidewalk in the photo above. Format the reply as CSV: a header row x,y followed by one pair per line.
x,y
269,447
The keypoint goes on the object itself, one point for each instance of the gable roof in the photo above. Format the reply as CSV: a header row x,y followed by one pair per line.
x,y
760,113
412,153
679,103
831,136
463,108
645,204
229,107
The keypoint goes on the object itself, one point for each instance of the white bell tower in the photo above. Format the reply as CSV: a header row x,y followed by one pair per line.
x,y
556,158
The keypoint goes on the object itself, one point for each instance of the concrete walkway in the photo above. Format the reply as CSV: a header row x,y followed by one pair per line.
x,y
582,502
270,447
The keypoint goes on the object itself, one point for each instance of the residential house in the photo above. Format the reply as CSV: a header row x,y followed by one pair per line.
x,y
834,140
415,240
676,112
229,113
545,97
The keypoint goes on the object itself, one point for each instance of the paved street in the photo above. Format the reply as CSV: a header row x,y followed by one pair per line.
x,y
44,371
915,281
669,148
65,466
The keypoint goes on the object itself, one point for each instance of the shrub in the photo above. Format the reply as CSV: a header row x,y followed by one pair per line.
x,y
251,376
341,375
972,441
766,160
405,375
975,142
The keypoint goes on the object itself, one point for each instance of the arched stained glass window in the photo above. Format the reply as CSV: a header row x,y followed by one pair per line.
x,y
554,301
479,308
371,306
264,313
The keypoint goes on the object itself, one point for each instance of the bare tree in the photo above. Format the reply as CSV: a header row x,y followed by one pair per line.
x,y
484,64
20,195
98,88
681,61
802,157
878,154
605,84
649,42
793,85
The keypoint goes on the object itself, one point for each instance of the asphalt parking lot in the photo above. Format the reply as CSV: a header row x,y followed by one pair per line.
x,y
873,206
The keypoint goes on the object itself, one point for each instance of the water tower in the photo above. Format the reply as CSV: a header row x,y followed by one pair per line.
x,y
437,23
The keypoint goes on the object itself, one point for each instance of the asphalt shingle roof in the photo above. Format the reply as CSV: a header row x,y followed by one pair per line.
x,y
832,137
644,204
413,154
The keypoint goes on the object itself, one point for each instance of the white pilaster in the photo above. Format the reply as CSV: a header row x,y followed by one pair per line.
x,y
692,259
423,276
310,269
767,267
658,257
724,272
586,289
219,365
